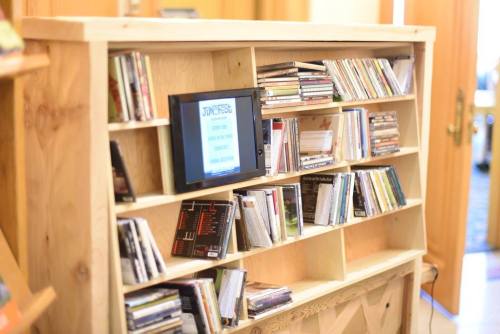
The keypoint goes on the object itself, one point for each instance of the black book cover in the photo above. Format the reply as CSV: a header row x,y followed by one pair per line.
x,y
394,180
190,302
201,228
241,228
358,198
309,185
124,191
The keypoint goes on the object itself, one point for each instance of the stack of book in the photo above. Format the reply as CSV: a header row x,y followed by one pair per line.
x,y
356,134
316,86
268,215
154,310
204,228
327,198
140,256
377,190
264,299
131,91
229,286
200,307
384,132
294,83
362,79
320,140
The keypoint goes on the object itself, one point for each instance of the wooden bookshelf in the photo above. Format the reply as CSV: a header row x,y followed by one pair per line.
x,y
342,263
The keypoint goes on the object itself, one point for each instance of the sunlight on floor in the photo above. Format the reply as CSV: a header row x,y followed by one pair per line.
x,y
480,300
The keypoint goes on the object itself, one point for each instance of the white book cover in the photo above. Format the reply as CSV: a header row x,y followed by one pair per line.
x,y
145,238
323,204
257,232
261,198
140,257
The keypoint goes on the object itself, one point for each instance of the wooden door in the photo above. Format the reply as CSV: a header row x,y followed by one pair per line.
x,y
449,166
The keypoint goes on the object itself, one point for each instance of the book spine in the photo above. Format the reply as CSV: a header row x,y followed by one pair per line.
x,y
144,89
149,76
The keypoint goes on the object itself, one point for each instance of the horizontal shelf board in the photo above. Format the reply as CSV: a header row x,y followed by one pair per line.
x,y
403,151
122,126
309,290
275,111
17,65
152,200
179,266
379,262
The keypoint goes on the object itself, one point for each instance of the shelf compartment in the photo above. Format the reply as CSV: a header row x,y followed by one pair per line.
x,y
137,147
179,266
308,290
157,199
268,113
13,66
400,230
123,126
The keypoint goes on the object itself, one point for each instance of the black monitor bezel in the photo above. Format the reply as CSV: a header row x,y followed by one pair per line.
x,y
177,142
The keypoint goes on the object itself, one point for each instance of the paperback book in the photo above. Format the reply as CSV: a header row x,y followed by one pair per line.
x,y
204,228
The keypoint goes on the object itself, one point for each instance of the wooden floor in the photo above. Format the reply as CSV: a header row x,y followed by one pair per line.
x,y
479,306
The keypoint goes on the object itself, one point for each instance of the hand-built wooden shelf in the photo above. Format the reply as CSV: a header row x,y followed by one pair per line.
x,y
327,267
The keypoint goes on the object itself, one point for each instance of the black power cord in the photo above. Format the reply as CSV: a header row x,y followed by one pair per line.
x,y
436,274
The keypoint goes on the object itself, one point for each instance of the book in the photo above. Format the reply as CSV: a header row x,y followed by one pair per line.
x,y
10,315
117,103
124,192
131,86
242,238
320,139
257,231
229,285
199,299
377,190
384,132
264,299
290,64
153,310
140,258
366,78
203,228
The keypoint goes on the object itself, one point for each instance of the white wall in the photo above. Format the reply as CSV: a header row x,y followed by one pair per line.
x,y
344,11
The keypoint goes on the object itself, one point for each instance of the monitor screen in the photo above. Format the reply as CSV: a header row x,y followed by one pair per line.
x,y
216,138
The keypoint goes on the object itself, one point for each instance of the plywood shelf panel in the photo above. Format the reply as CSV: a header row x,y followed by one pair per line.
x,y
267,113
18,65
308,290
179,266
151,200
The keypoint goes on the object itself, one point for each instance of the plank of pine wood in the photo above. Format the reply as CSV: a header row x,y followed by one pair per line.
x,y
12,166
66,140
150,30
